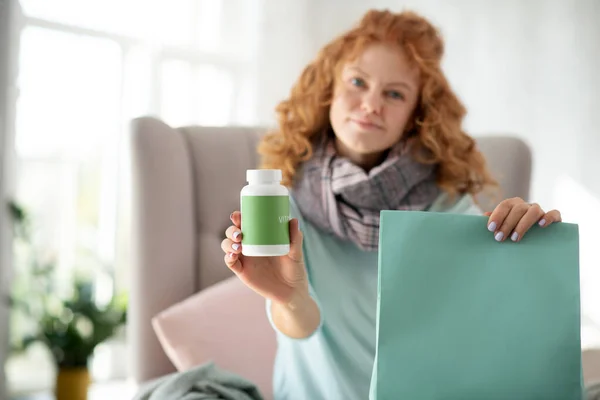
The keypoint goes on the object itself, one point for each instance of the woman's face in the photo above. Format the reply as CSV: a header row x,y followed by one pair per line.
x,y
373,103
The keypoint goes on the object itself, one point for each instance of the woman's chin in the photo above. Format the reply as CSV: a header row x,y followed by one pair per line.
x,y
366,147
360,145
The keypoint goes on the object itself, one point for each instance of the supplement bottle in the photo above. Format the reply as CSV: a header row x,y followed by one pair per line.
x,y
265,208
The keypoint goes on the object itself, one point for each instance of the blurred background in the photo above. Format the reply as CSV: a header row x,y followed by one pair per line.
x,y
74,73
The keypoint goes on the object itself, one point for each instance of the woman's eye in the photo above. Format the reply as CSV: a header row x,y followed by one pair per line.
x,y
396,95
358,82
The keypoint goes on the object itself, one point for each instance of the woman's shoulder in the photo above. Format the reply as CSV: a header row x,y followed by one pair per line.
x,y
460,204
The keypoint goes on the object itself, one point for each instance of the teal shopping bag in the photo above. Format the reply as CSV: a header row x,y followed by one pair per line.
x,y
461,316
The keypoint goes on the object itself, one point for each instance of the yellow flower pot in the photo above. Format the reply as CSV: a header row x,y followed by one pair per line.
x,y
72,384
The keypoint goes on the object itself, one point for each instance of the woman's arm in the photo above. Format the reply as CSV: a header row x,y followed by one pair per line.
x,y
299,318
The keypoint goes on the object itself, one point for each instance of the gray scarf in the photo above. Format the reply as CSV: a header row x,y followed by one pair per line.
x,y
339,197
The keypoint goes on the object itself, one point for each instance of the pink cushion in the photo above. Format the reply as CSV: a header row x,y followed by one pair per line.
x,y
225,323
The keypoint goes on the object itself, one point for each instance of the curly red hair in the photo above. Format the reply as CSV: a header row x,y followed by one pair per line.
x,y
436,127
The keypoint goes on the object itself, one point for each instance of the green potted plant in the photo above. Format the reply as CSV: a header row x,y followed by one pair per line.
x,y
70,323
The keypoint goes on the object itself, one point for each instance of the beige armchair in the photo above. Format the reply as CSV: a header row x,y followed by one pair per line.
x,y
186,182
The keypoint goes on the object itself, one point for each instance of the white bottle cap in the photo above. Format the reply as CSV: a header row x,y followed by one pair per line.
x,y
263,175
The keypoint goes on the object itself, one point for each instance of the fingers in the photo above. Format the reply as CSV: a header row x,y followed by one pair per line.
x,y
549,218
498,216
232,252
231,246
513,218
234,234
236,218
232,261
295,241
531,217
510,222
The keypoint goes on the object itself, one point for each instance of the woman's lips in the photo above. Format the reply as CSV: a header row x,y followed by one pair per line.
x,y
366,124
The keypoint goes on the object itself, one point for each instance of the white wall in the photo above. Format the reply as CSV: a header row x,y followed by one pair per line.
x,y
286,44
528,68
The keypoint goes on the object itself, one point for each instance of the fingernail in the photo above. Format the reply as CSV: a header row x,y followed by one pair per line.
x,y
231,255
231,216
492,226
542,222
514,237
499,236
236,234
235,246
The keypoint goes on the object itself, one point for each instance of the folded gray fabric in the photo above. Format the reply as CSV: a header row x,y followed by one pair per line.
x,y
204,382
593,391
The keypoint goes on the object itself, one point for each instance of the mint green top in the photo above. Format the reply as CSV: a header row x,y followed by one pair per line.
x,y
336,361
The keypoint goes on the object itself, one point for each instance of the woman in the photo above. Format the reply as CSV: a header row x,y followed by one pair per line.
x,y
371,124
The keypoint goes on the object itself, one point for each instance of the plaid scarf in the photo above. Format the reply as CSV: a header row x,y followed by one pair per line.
x,y
339,197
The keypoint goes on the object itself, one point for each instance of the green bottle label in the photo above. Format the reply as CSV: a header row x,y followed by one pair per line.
x,y
265,220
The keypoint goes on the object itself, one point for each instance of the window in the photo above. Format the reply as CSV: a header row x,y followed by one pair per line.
x,y
86,68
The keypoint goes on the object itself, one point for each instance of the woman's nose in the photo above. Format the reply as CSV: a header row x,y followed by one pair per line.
x,y
372,103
